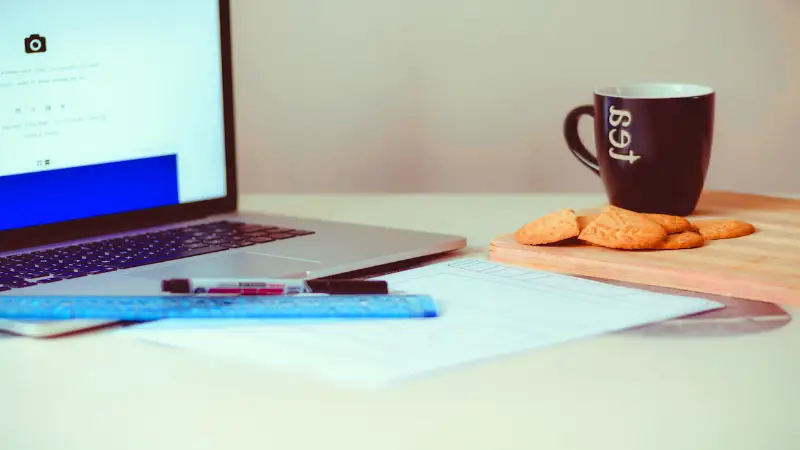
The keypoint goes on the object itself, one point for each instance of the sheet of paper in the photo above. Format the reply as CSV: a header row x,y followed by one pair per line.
x,y
488,310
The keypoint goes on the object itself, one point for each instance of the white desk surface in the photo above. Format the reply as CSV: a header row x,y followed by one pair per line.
x,y
100,391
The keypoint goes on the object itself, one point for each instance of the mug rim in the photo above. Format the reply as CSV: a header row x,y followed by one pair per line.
x,y
661,90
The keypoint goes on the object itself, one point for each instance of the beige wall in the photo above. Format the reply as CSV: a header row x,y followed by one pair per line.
x,y
469,95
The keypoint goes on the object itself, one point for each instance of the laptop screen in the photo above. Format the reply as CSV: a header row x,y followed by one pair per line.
x,y
108,107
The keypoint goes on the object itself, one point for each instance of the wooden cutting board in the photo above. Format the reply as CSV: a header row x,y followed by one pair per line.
x,y
763,266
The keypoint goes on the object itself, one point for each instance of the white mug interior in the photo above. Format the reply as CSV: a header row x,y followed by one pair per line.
x,y
655,90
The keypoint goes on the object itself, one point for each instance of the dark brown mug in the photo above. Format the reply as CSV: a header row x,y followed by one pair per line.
x,y
653,144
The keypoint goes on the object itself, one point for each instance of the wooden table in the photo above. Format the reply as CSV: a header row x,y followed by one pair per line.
x,y
103,391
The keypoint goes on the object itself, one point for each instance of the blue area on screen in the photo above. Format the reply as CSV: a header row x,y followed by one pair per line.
x,y
45,197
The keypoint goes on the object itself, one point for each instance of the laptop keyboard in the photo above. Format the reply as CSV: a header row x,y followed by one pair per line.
x,y
75,261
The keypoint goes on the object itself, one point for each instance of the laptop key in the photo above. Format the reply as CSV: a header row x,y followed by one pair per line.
x,y
75,275
281,236
300,232
239,244
247,227
97,271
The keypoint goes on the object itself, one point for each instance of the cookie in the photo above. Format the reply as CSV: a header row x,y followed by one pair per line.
x,y
622,229
723,229
672,224
584,221
554,227
679,241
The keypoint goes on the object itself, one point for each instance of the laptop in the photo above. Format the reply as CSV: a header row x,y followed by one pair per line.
x,y
118,162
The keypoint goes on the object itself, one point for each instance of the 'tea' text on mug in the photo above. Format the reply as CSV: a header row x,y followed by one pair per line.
x,y
618,136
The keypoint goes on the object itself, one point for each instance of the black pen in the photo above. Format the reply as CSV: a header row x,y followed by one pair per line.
x,y
254,286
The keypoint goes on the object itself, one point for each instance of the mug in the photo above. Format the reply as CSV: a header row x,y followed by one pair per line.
x,y
653,144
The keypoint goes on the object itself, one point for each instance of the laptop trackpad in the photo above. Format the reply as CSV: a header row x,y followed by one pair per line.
x,y
238,265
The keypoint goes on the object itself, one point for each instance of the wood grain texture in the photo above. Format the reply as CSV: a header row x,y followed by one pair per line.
x,y
763,266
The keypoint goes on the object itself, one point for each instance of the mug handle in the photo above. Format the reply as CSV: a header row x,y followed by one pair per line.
x,y
574,140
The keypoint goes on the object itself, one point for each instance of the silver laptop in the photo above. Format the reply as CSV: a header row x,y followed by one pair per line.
x,y
117,161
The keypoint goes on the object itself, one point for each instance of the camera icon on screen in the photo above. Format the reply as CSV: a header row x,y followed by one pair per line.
x,y
35,44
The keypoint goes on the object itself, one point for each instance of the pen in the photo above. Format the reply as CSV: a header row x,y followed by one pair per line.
x,y
255,286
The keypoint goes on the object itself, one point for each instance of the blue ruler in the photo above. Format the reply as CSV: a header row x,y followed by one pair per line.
x,y
141,308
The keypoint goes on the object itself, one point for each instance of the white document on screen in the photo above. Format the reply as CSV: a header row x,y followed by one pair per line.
x,y
110,89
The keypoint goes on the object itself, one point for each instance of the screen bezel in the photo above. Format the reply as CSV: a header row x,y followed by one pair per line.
x,y
116,223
